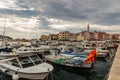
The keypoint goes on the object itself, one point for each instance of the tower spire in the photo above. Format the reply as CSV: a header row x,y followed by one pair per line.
x,y
88,28
88,31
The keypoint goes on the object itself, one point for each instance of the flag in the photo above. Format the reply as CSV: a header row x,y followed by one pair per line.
x,y
91,57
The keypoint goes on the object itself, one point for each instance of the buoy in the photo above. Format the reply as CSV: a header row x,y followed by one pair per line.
x,y
15,76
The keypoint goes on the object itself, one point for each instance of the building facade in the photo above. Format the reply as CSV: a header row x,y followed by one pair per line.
x,y
73,37
80,37
64,35
44,37
53,37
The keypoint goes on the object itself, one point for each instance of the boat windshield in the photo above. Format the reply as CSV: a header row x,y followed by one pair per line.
x,y
14,63
27,61
36,59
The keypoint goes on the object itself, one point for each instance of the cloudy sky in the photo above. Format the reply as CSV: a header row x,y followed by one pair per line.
x,y
32,18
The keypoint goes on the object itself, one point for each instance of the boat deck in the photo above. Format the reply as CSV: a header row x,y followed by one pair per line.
x,y
115,69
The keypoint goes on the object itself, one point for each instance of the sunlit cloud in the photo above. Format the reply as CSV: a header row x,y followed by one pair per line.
x,y
10,4
32,18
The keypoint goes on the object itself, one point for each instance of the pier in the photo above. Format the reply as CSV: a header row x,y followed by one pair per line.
x,y
115,69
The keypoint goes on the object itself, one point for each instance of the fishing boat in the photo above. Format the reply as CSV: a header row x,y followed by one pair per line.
x,y
72,60
30,66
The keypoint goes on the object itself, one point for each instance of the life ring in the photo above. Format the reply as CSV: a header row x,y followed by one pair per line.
x,y
15,76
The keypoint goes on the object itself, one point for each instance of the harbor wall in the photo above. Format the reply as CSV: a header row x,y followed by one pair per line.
x,y
115,69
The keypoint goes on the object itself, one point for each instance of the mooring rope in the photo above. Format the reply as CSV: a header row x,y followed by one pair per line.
x,y
52,76
2,77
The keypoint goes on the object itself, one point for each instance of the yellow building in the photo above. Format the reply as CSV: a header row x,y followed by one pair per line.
x,y
44,37
80,37
64,35
110,37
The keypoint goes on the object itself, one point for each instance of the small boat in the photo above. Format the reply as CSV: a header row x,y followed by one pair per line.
x,y
26,66
27,50
73,60
5,49
101,52
20,51
6,52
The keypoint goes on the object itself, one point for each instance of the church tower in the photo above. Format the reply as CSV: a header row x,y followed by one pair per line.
x,y
88,28
88,31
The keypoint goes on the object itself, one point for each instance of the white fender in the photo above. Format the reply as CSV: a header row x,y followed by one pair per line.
x,y
15,76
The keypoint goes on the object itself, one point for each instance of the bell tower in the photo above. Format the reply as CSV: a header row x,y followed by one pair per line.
x,y
88,28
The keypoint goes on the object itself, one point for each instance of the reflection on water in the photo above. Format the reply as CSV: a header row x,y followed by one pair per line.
x,y
100,70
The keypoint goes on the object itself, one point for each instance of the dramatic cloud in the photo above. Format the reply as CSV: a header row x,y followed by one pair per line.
x,y
33,18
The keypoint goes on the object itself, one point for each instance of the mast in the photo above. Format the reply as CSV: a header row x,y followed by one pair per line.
x,y
3,32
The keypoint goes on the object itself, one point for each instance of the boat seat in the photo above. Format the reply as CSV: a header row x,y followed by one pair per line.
x,y
71,62
78,62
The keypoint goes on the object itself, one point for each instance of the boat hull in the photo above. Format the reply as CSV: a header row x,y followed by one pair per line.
x,y
36,76
80,65
73,69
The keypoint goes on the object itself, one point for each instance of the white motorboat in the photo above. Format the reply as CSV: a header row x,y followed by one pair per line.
x,y
102,52
29,66
23,50
26,66
20,51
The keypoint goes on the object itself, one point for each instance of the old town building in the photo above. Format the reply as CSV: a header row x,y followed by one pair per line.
x,y
72,37
63,35
44,37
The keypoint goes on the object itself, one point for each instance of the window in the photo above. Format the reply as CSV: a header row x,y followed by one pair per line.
x,y
25,62
41,56
25,50
15,63
36,59
34,49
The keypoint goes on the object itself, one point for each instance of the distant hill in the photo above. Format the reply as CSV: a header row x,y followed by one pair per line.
x,y
5,37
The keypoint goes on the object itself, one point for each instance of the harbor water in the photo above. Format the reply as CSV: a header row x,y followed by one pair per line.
x,y
99,72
